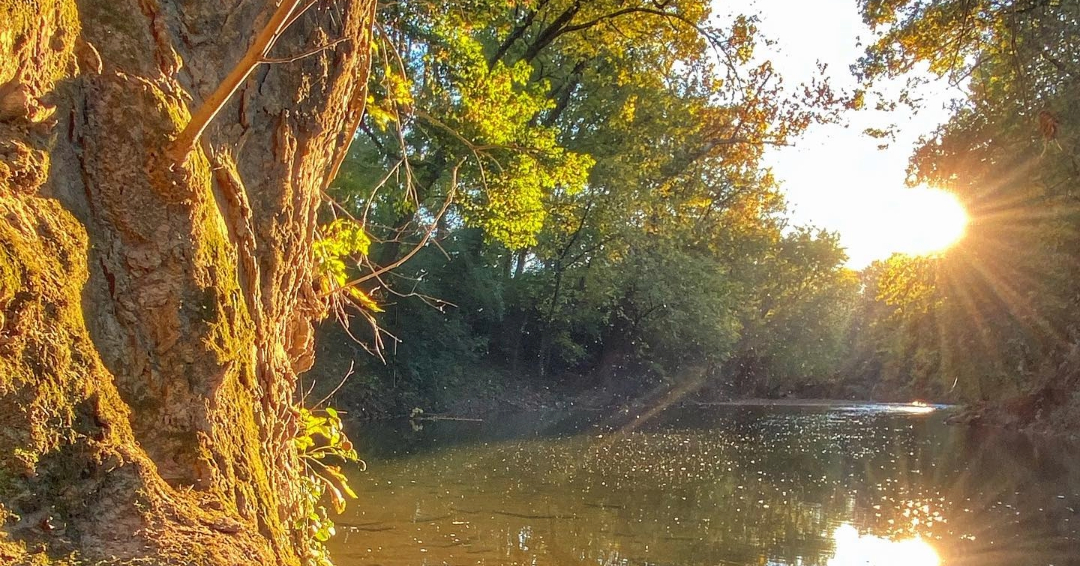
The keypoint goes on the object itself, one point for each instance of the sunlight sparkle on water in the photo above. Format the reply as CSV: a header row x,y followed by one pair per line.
x,y
853,549
916,407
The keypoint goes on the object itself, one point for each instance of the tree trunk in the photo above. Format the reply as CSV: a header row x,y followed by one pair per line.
x,y
615,351
154,314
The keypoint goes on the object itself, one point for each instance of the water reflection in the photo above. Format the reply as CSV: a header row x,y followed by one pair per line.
x,y
720,485
853,549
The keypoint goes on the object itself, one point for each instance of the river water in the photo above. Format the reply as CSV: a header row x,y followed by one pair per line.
x,y
835,485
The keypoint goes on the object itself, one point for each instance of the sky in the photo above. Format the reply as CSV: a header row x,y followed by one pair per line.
x,y
835,177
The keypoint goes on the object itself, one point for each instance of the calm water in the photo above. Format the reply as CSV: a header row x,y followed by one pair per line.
x,y
738,485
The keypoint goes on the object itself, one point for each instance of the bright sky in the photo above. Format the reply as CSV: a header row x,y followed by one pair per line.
x,y
835,177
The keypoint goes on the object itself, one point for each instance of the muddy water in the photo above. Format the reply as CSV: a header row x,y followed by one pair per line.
x,y
834,485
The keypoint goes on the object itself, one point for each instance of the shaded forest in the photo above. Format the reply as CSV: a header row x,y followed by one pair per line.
x,y
584,205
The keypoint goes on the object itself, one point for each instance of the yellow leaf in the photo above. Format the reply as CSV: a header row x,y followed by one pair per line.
x,y
364,300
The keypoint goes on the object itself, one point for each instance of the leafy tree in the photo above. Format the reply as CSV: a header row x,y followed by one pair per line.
x,y
586,142
795,314
897,333
1010,153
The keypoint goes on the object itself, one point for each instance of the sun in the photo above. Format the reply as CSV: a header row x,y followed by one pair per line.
x,y
926,221
894,219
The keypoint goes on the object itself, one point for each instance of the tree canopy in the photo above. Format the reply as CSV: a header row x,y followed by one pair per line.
x,y
592,175
584,188
995,316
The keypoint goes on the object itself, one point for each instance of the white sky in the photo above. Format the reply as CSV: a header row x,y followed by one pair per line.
x,y
834,175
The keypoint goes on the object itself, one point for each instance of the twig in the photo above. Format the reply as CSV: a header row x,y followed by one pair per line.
x,y
299,13
341,383
184,143
433,302
423,241
307,53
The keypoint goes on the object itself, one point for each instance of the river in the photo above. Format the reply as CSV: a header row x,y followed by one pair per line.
x,y
830,485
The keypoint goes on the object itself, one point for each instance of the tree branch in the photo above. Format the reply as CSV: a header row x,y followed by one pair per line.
x,y
515,35
307,53
285,14
416,249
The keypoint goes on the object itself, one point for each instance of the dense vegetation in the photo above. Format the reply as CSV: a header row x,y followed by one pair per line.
x,y
997,315
590,176
588,180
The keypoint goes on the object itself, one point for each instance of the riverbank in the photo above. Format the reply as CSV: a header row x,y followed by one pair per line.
x,y
372,391
489,391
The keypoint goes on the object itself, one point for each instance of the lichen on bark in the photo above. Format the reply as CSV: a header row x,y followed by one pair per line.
x,y
154,313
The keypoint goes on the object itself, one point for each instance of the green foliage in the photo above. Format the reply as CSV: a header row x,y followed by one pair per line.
x,y
342,240
600,167
677,307
440,101
895,337
512,209
608,213
320,440
997,314
795,318
443,344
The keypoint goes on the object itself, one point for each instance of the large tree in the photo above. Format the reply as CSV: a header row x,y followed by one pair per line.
x,y
156,296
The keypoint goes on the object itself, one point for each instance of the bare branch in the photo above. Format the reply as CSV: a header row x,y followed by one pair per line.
x,y
339,385
416,249
285,14
308,53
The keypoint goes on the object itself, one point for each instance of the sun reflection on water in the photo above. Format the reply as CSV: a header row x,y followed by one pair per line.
x,y
916,407
853,549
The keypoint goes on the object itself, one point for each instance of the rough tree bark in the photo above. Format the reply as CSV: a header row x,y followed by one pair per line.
x,y
154,314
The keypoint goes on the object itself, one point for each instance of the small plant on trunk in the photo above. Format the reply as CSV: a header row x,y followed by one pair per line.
x,y
320,442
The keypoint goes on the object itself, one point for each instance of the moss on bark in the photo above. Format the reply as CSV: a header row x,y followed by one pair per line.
x,y
153,314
